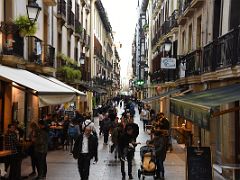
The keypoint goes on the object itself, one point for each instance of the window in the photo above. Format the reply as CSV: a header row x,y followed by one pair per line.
x,y
190,37
199,32
183,41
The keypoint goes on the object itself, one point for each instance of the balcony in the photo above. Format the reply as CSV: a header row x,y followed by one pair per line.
x,y
48,58
221,58
49,2
78,29
185,11
193,63
61,10
70,20
12,45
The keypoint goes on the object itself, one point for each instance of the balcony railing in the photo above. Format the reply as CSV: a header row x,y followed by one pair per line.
x,y
61,8
183,5
223,52
70,19
193,63
48,55
34,50
226,49
78,28
173,19
164,75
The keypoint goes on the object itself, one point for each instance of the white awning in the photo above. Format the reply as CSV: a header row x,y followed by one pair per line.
x,y
49,93
65,85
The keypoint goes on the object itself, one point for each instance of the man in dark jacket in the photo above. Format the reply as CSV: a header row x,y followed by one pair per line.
x,y
126,147
85,148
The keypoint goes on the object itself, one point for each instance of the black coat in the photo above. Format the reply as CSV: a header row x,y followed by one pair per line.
x,y
135,129
92,146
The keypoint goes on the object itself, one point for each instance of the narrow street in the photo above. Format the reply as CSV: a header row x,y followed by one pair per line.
x,y
62,166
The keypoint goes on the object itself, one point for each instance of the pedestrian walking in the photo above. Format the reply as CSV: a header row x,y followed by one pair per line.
x,y
85,148
144,116
126,148
107,124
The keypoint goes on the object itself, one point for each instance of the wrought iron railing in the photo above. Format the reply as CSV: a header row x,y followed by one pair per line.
x,y
70,19
222,52
78,28
34,49
48,55
226,46
61,8
183,5
193,63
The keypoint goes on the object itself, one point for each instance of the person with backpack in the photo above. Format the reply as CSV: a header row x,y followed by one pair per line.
x,y
73,133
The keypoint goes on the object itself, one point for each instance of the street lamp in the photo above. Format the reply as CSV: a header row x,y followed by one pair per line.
x,y
167,45
146,68
33,10
81,60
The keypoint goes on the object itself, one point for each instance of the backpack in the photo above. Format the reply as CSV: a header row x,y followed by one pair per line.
x,y
72,131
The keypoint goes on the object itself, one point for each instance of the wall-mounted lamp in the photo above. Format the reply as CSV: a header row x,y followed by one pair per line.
x,y
167,45
33,10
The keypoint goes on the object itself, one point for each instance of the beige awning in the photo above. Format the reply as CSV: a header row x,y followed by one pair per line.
x,y
49,92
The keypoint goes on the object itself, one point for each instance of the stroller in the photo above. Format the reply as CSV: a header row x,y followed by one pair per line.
x,y
148,166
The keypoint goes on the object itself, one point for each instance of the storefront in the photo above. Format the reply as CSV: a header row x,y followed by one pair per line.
x,y
214,115
23,93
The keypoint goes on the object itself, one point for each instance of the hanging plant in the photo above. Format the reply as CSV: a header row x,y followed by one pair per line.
x,y
69,73
25,26
68,60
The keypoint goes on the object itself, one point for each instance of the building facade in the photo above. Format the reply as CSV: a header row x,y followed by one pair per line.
x,y
57,49
204,38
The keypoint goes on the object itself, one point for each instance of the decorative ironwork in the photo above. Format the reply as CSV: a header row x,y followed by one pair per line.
x,y
61,8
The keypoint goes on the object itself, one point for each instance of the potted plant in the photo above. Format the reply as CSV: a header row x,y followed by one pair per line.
x,y
25,26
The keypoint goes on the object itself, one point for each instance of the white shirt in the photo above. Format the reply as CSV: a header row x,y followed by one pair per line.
x,y
85,144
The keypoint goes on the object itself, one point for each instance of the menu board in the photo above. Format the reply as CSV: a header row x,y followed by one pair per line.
x,y
199,163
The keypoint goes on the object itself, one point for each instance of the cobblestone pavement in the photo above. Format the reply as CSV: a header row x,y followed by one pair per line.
x,y
62,166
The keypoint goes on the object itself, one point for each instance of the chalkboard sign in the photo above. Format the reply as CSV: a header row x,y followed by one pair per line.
x,y
71,114
199,163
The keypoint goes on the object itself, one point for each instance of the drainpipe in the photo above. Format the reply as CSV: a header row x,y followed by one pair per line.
x,y
92,5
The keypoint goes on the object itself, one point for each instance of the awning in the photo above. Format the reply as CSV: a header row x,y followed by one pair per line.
x,y
49,93
198,107
147,100
65,85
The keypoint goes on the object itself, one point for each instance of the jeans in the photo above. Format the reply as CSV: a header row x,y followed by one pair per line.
x,y
106,135
145,122
84,166
41,163
130,155
160,168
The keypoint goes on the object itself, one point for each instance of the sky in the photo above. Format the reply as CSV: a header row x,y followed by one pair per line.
x,y
122,15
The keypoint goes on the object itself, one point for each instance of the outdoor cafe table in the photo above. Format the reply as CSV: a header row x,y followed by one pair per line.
x,y
233,167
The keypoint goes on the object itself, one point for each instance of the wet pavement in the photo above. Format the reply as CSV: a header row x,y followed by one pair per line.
x,y
62,166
